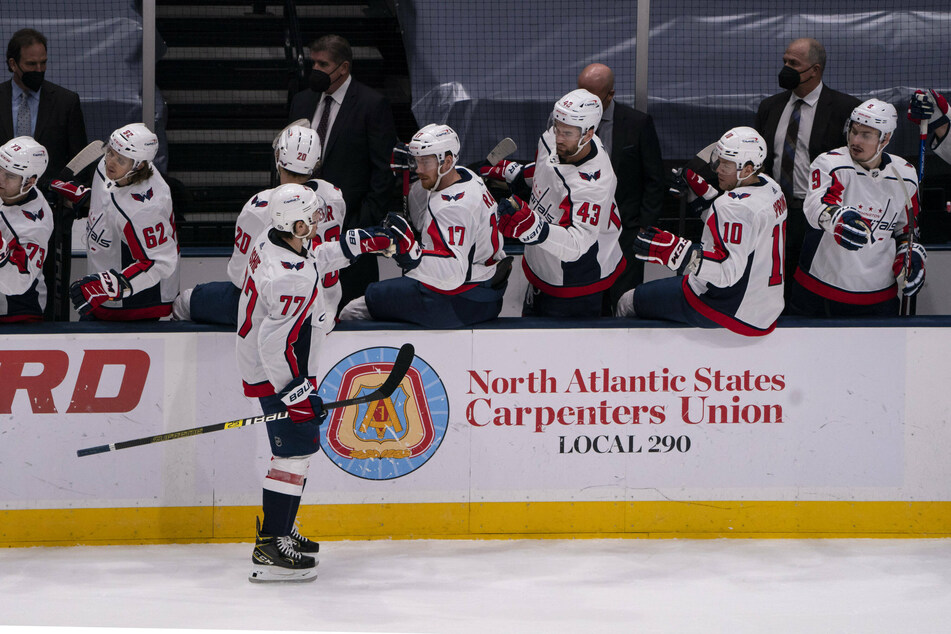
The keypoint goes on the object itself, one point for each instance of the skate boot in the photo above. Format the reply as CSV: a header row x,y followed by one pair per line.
x,y
304,545
276,559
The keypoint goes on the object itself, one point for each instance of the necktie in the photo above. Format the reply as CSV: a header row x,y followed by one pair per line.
x,y
24,121
322,125
789,150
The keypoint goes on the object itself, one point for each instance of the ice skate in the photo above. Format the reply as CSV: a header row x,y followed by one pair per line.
x,y
276,559
304,545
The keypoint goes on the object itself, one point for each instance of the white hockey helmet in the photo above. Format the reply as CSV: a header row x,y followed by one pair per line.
x,y
435,138
134,141
741,145
298,150
579,108
24,156
877,114
292,202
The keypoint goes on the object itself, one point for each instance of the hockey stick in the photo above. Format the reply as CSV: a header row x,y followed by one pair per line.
x,y
906,307
404,359
83,159
504,148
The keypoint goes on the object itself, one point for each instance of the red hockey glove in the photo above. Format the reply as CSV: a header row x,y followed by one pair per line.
x,y
408,252
928,106
15,255
356,242
73,192
516,220
91,291
506,171
662,247
303,405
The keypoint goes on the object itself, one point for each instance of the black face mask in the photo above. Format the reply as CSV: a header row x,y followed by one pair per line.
x,y
319,80
789,79
32,79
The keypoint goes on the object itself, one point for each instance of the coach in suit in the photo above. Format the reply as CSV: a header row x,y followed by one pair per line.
x,y
628,135
799,124
51,114
356,129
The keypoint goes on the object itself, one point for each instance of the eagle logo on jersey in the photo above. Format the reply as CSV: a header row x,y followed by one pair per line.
x,y
257,202
739,196
143,197
292,266
33,216
593,176
449,198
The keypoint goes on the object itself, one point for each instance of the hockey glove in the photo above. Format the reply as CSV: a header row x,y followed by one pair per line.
x,y
75,193
408,253
303,405
662,247
928,106
516,220
700,193
850,230
14,254
356,242
401,160
915,276
91,291
506,171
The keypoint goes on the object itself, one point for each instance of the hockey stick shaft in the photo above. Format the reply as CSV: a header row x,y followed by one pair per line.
x,y
83,159
502,149
404,359
910,219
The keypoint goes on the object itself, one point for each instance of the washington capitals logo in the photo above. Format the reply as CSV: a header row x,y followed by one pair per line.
x,y
257,202
739,196
292,266
590,177
458,196
143,197
33,216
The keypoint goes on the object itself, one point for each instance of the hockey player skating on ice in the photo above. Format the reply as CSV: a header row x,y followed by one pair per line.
x,y
570,225
131,245
25,227
734,277
452,276
297,152
277,345
857,209
930,106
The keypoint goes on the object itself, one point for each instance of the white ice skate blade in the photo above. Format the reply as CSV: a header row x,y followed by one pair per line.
x,y
271,574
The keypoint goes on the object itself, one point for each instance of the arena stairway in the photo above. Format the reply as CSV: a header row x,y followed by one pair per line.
x,y
227,82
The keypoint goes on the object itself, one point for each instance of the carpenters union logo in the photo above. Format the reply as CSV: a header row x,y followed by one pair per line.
x,y
385,439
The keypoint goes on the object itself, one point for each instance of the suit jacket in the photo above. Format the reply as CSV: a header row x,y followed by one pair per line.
x,y
357,154
636,158
832,111
60,127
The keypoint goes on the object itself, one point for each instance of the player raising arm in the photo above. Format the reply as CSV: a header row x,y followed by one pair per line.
x,y
734,277
930,106
454,277
277,346
570,226
131,245
25,227
857,209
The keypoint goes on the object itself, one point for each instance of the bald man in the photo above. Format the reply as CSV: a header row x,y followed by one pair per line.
x,y
817,124
629,137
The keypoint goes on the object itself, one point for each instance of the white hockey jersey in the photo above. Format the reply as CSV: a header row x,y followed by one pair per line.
x,y
279,328
255,218
132,229
864,276
461,242
942,147
581,255
739,284
29,223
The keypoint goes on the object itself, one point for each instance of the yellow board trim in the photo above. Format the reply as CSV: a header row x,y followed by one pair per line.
x,y
489,520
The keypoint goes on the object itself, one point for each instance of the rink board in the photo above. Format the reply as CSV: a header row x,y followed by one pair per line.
x,y
495,432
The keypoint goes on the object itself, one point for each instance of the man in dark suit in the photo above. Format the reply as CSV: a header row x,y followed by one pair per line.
x,y
356,128
32,106
799,124
52,115
628,135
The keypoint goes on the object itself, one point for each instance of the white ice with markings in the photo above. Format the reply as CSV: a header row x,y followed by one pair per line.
x,y
625,585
